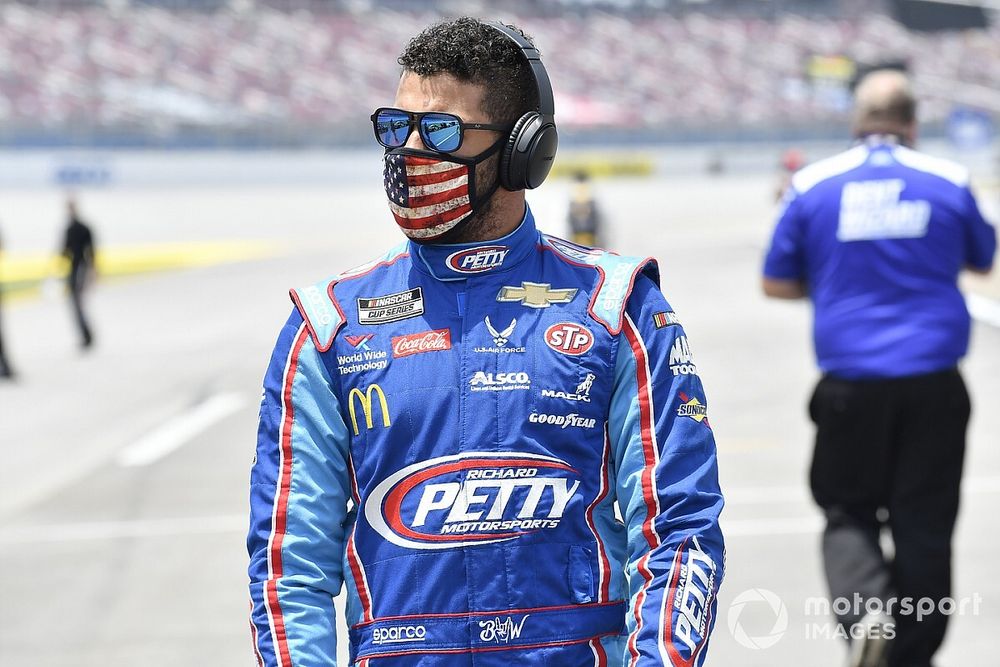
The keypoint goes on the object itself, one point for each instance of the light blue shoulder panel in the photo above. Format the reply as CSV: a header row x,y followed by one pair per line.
x,y
617,278
318,304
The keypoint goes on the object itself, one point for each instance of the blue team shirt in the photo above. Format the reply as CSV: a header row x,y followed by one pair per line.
x,y
879,234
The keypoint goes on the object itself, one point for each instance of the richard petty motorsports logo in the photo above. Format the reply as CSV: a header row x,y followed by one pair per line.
x,y
476,260
471,498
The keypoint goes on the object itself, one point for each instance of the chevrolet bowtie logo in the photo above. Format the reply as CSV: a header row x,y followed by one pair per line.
x,y
535,295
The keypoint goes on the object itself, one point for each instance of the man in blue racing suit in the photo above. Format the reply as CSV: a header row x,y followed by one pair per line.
x,y
494,439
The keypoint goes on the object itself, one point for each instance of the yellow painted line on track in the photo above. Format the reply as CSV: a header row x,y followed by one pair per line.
x,y
23,274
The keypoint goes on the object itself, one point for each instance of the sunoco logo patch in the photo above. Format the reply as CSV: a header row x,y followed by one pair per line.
x,y
391,307
471,498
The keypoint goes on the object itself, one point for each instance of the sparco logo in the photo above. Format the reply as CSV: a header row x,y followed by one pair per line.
x,y
569,338
615,286
320,305
475,260
399,634
471,498
562,421
483,381
427,341
495,630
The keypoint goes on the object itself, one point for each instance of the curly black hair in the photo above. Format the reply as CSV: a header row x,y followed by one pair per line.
x,y
473,51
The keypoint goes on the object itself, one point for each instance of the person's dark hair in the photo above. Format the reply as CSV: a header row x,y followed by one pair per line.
x,y
474,52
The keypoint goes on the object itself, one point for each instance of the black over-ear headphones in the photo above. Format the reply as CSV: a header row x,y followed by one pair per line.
x,y
531,146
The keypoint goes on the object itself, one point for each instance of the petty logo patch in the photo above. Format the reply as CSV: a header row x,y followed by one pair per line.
x,y
471,498
569,338
391,307
477,260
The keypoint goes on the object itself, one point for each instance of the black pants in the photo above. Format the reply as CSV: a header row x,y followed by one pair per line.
x,y
76,283
889,454
5,369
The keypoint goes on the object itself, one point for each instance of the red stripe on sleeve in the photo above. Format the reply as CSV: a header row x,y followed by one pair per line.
x,y
281,511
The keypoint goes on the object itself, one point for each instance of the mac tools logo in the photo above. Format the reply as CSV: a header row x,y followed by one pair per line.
x,y
471,498
477,260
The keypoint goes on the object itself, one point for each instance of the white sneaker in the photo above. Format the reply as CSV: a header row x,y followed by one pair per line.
x,y
871,647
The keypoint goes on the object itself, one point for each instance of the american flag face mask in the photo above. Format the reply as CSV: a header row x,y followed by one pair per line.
x,y
430,196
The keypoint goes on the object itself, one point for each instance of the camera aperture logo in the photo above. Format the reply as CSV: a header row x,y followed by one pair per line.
x,y
763,602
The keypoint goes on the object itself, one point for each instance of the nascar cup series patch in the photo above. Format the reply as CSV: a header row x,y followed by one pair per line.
x,y
471,498
391,307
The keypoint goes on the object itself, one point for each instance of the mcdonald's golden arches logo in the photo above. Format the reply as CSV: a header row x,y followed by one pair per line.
x,y
365,398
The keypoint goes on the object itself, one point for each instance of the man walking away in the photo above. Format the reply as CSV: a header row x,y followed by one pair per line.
x,y
78,248
6,372
876,237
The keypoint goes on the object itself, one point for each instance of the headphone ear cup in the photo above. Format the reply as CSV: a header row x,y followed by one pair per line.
x,y
514,160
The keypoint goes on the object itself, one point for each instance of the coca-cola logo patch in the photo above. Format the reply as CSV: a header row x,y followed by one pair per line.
x,y
425,341
471,498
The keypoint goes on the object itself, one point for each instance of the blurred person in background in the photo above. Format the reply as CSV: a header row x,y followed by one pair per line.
x,y
876,237
6,371
481,397
584,215
791,161
78,248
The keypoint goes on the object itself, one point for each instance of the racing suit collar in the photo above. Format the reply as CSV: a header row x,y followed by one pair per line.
x,y
460,261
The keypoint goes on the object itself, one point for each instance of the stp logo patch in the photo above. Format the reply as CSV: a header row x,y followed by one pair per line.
x,y
569,338
471,498
477,260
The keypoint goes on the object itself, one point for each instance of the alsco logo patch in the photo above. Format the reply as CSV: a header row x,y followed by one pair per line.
x,y
471,498
477,260
569,338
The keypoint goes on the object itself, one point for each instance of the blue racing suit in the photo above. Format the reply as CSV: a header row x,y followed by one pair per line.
x,y
446,431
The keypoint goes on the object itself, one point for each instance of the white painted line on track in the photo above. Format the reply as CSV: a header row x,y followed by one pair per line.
x,y
810,525
983,308
108,530
777,495
179,430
